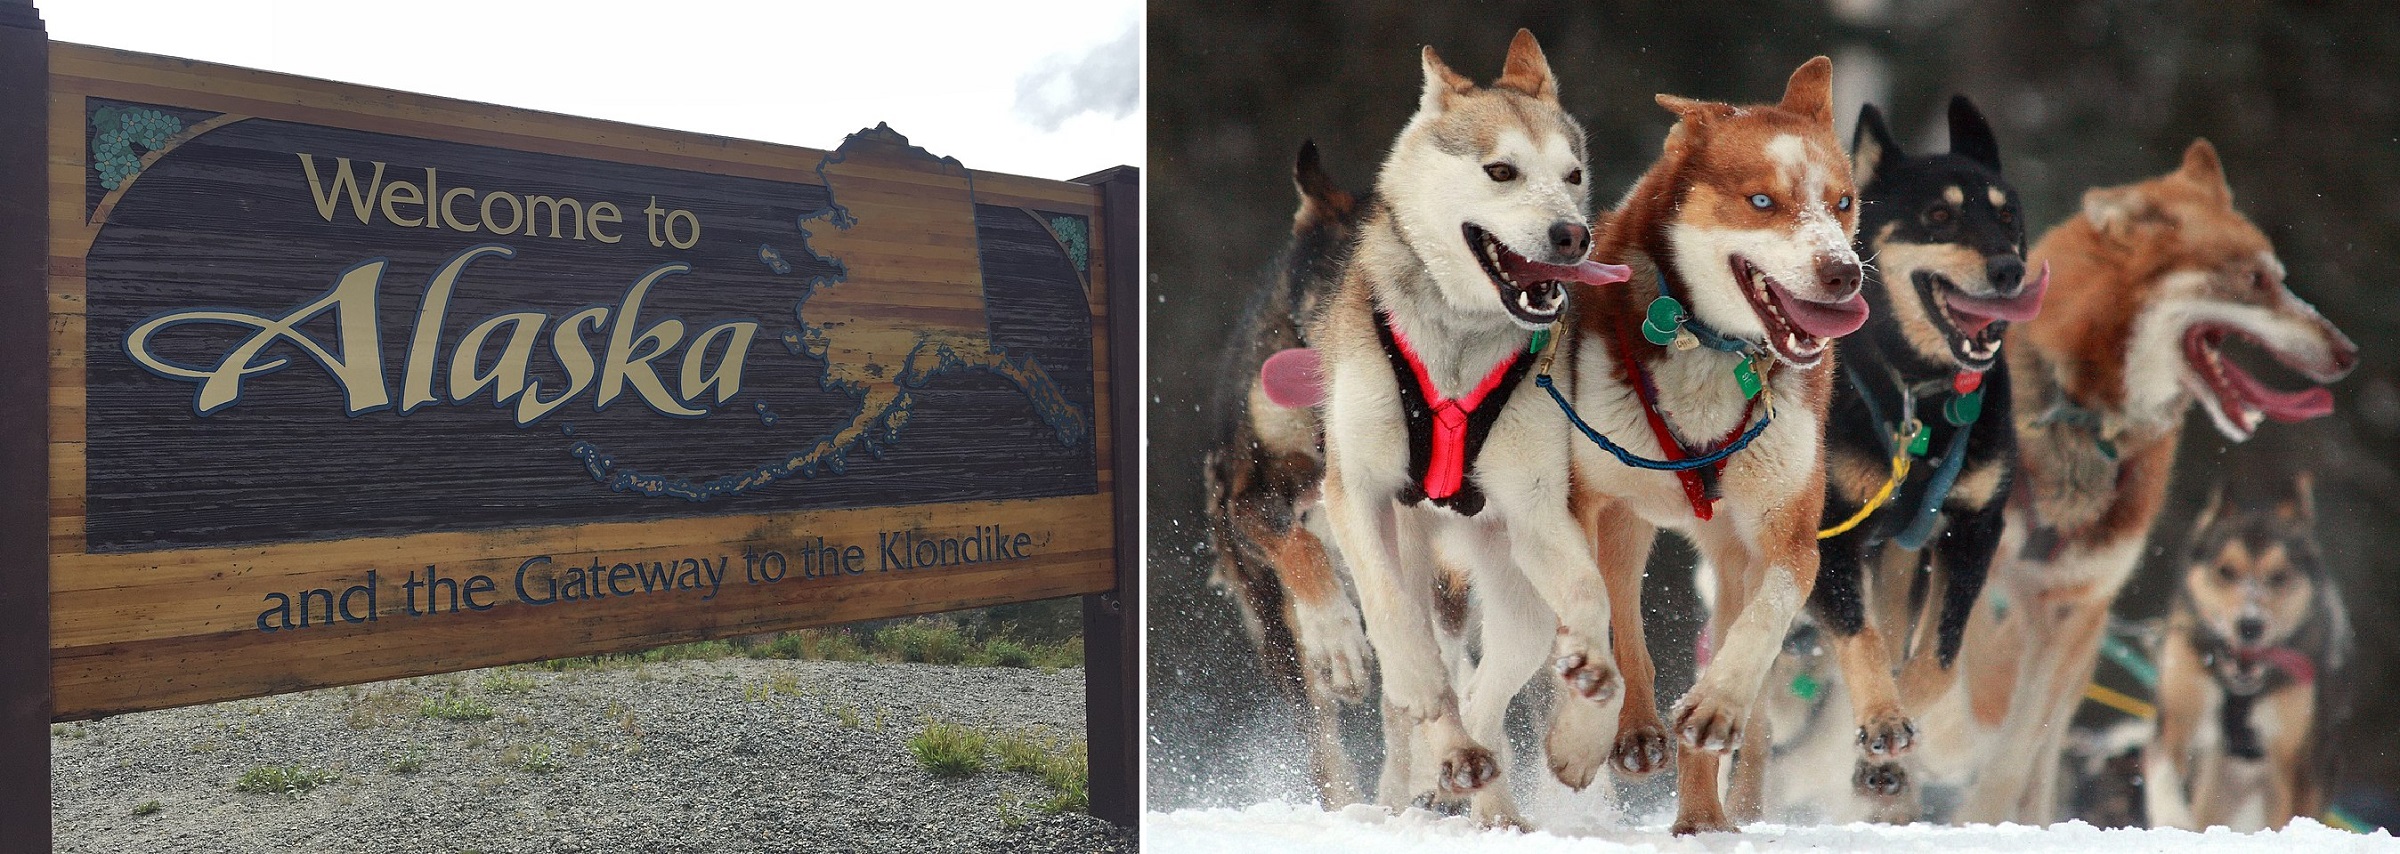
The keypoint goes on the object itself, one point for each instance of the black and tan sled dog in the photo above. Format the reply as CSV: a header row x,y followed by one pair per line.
x,y
2251,672
1262,475
1920,441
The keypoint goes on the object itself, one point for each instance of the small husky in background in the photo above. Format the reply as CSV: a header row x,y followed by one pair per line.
x,y
2250,674
1435,440
1262,475
1948,238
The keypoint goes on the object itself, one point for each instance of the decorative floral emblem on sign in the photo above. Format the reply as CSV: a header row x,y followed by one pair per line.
x,y
1076,234
118,130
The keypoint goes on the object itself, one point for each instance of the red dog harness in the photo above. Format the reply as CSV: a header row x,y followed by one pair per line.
x,y
1695,486
1444,434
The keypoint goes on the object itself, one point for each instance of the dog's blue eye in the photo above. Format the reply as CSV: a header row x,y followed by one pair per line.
x,y
1842,204
1760,201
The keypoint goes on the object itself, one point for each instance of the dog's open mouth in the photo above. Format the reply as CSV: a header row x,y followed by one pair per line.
x,y
1798,330
2237,400
1534,292
1976,325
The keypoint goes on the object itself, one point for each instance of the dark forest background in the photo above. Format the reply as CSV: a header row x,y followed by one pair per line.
x,y
2302,99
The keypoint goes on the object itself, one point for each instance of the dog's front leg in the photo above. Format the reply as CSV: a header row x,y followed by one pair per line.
x,y
1839,600
1963,555
2182,695
1762,593
1548,546
1389,562
1621,544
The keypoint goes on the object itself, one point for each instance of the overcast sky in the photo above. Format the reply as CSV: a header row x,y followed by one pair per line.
x,y
1049,89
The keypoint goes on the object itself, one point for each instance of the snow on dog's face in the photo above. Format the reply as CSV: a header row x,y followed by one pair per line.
x,y
1947,240
2206,276
1760,237
1488,187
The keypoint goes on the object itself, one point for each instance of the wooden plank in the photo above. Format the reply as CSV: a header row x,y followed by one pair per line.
x,y
25,676
1111,622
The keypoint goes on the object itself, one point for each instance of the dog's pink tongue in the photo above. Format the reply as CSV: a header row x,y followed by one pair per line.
x,y
1294,378
2285,406
1526,270
1979,312
1823,319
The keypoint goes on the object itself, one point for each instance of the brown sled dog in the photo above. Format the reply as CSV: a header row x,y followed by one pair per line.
x,y
1262,475
2251,673
1747,218
2150,282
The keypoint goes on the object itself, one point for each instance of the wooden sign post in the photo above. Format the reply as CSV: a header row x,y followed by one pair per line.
x,y
347,384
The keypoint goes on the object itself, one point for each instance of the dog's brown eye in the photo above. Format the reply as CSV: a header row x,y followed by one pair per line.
x,y
2260,281
1938,216
2225,573
2278,580
1575,177
2007,217
1501,172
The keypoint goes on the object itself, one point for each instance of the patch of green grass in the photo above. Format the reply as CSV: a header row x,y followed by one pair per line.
x,y
1024,750
537,757
146,808
453,706
1010,816
1003,652
65,731
926,641
509,683
409,761
1068,774
291,780
948,750
849,715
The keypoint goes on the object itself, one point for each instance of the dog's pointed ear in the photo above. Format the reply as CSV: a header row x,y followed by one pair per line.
x,y
1971,136
1694,112
1871,145
2303,506
1527,70
2116,210
2201,167
1810,91
1441,84
2208,512
1321,200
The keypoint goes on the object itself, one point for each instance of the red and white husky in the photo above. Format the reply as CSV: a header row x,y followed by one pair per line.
x,y
1746,222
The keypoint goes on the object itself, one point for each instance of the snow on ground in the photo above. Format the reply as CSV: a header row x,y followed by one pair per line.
x,y
1306,829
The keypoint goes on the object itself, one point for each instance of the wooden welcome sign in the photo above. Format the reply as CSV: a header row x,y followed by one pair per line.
x,y
347,384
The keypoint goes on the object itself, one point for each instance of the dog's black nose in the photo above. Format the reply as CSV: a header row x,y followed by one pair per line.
x,y
2007,273
1838,276
2250,628
1571,240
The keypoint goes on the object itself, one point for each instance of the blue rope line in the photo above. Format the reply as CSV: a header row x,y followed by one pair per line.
x,y
1642,462
1937,490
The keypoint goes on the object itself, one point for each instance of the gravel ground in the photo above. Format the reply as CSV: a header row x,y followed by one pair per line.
x,y
734,755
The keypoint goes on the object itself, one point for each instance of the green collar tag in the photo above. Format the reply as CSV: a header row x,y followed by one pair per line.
x,y
1920,441
1804,686
1962,410
1541,339
1665,314
1747,376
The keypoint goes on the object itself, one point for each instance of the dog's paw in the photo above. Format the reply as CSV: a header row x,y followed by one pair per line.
x,y
1705,720
1887,736
1687,825
1333,645
1642,749
1466,770
1591,677
1577,742
1879,779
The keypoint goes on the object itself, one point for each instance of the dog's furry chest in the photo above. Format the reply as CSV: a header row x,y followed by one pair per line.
x,y
1701,401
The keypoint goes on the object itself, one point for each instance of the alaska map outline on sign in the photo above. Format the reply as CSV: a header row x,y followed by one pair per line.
x,y
865,355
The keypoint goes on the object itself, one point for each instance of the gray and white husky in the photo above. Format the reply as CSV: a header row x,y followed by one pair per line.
x,y
1436,439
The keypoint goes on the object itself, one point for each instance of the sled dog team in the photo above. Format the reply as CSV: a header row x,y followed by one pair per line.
x,y
1479,400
